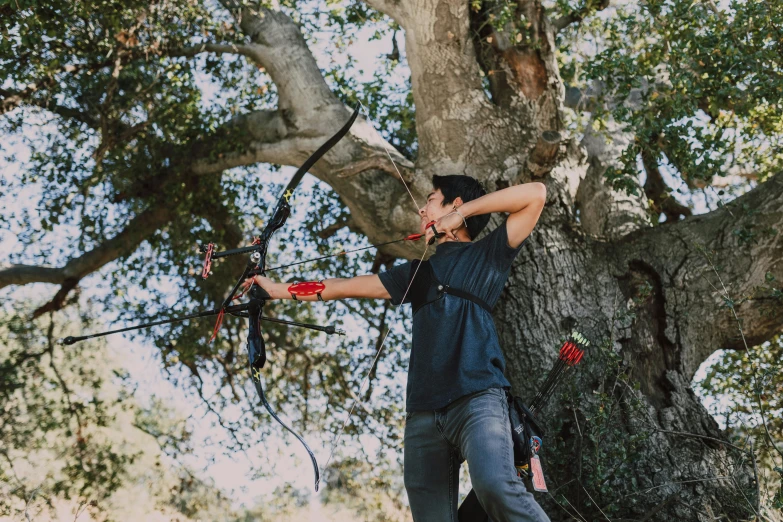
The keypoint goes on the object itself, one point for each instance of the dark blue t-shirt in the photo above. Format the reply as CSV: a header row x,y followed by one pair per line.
x,y
455,346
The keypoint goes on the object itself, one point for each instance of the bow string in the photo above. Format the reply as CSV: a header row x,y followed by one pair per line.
x,y
365,380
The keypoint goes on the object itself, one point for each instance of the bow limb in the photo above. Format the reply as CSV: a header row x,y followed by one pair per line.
x,y
323,149
257,355
260,390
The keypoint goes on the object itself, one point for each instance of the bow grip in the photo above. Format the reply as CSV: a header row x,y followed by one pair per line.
x,y
256,347
257,292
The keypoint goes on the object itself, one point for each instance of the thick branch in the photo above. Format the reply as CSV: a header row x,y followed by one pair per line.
x,y
138,229
267,137
455,121
278,45
739,246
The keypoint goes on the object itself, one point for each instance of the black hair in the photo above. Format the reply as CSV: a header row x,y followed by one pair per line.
x,y
468,189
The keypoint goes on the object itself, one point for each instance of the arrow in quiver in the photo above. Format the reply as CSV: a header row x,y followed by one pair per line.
x,y
526,432
571,352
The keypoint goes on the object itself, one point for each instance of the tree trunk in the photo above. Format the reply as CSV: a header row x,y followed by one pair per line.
x,y
649,299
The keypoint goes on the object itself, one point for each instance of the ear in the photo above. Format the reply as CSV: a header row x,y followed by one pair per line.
x,y
458,201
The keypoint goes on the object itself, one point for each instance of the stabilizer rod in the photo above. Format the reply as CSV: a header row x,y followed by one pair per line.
x,y
235,309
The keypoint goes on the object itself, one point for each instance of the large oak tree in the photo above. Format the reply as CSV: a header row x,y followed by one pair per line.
x,y
148,122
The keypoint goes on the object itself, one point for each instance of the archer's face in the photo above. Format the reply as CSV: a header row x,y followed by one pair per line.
x,y
433,210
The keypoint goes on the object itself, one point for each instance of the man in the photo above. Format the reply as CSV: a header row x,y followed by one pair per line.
x,y
456,404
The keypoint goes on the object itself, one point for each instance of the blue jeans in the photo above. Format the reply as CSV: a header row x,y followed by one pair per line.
x,y
475,428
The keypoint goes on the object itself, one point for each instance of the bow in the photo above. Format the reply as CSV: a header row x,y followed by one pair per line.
x,y
257,296
256,349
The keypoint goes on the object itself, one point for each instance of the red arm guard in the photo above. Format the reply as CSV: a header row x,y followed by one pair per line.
x,y
306,288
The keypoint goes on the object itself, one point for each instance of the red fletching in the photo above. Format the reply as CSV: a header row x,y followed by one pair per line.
x,y
571,352
575,356
306,288
208,261
414,237
565,350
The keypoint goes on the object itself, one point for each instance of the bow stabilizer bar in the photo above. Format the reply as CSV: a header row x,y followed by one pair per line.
x,y
239,310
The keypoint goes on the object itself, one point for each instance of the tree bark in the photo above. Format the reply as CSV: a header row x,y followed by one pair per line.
x,y
656,298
